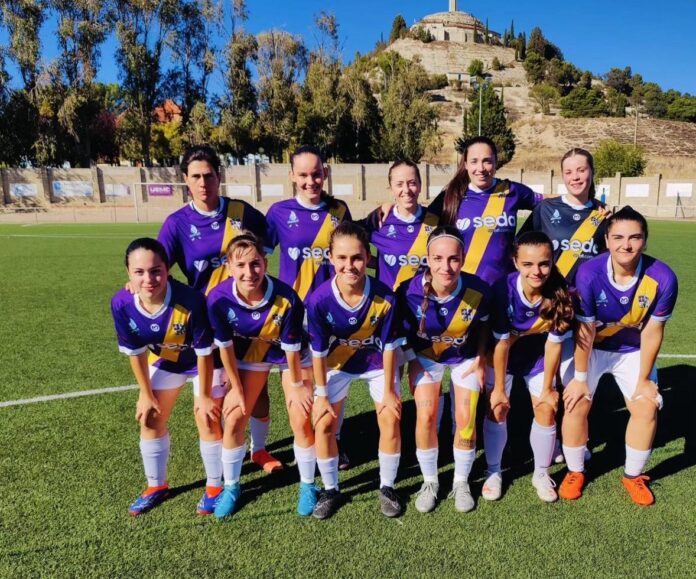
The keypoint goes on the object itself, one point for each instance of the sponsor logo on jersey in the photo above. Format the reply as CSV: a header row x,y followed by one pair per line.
x,y
391,232
155,327
412,260
293,220
179,329
256,315
176,347
133,327
504,220
315,216
556,217
643,302
576,245
444,311
451,340
215,226
602,299
352,321
624,300
194,233
530,313
410,229
294,253
355,343
232,316
316,253
576,217
200,265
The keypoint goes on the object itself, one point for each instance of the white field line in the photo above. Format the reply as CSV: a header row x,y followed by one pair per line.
x,y
274,370
67,236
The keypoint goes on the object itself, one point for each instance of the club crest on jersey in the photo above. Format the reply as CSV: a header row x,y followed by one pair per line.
x,y
330,319
232,316
643,302
200,265
429,229
602,299
391,232
556,217
374,320
315,216
293,220
179,329
278,319
334,221
235,223
467,315
215,226
194,233
352,321
294,253
133,327
155,327
595,221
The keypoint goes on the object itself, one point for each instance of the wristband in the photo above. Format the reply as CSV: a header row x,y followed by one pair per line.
x,y
320,391
297,384
582,376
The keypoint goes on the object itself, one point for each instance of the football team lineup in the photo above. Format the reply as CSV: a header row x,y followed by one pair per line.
x,y
291,308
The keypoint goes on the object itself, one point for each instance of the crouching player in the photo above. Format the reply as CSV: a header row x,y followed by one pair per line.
x,y
446,313
350,320
532,317
625,299
164,329
257,322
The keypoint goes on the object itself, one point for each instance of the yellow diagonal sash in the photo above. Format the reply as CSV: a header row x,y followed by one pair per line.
x,y
309,267
538,327
583,234
178,321
235,214
646,288
270,331
482,235
340,356
419,248
459,324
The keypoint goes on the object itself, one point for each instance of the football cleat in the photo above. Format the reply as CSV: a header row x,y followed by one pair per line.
x,y
638,490
266,461
545,487
493,487
307,500
461,493
148,500
426,498
227,500
206,506
571,487
390,503
327,504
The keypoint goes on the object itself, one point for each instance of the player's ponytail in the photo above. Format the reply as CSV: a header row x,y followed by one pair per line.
x,y
427,286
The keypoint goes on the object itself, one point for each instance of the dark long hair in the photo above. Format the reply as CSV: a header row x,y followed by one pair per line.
x,y
350,229
557,304
590,162
200,153
148,244
628,214
455,191
441,231
330,201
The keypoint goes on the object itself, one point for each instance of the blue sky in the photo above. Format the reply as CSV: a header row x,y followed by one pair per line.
x,y
656,41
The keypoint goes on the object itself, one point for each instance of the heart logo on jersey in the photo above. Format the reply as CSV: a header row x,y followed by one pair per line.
x,y
200,264
294,252
463,224
390,259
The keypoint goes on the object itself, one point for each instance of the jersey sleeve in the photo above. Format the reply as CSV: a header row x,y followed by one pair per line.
x,y
371,222
437,205
222,332
558,338
666,299
202,334
500,322
528,198
255,221
168,237
291,330
347,216
319,331
127,338
271,239
585,308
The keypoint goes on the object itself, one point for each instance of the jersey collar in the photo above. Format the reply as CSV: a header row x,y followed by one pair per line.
x,y
262,303
565,199
630,284
448,298
475,189
411,218
342,303
213,213
309,205
520,293
142,311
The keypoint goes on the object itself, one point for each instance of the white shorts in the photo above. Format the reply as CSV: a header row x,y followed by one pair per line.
x,y
338,384
623,366
305,362
437,371
535,383
163,380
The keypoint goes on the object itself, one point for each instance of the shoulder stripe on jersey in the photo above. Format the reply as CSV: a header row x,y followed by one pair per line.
x,y
459,325
584,233
419,248
235,214
479,241
309,267
269,332
340,356
176,335
644,296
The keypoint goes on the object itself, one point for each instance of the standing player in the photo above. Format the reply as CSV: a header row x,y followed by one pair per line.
x,y
532,317
446,314
626,297
257,321
163,327
353,336
196,237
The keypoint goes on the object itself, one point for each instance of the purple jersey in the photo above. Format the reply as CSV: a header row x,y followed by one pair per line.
x,y
451,324
488,222
513,314
174,335
352,339
303,234
621,312
402,245
260,333
197,241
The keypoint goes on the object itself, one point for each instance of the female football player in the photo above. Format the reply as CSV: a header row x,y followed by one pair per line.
x,y
163,327
257,322
626,297
353,336
446,314
532,316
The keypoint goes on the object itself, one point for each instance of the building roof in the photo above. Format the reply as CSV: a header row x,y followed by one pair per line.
x,y
457,19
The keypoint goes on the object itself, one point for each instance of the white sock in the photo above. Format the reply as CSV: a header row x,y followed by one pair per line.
x,y
463,461
259,433
427,460
575,457
328,468
155,453
440,410
635,461
306,459
494,441
388,465
211,453
339,425
232,459
543,440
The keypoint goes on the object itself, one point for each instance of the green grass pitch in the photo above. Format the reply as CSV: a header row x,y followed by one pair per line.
x,y
69,468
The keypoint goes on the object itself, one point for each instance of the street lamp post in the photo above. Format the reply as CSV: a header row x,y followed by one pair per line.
x,y
480,84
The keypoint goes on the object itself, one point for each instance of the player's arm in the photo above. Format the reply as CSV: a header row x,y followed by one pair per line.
x,y
577,388
235,396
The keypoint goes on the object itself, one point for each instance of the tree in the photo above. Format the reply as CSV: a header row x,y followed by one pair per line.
x,y
495,64
563,75
539,44
612,157
476,68
582,102
654,102
521,47
616,102
619,80
200,130
544,95
493,123
23,20
535,66
682,108
398,29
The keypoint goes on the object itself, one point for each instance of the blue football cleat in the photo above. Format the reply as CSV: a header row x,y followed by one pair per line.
x,y
207,504
308,499
147,502
227,500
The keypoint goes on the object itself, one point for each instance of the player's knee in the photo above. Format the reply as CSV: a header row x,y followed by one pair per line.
x,y
643,409
545,415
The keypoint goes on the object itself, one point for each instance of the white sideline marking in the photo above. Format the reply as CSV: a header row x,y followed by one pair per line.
x,y
64,236
81,393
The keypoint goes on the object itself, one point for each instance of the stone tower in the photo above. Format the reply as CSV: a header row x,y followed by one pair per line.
x,y
452,5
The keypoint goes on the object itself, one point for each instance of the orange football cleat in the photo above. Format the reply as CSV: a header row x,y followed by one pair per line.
x,y
266,460
638,489
571,487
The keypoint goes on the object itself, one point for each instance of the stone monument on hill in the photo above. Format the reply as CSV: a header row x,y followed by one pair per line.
x,y
455,26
